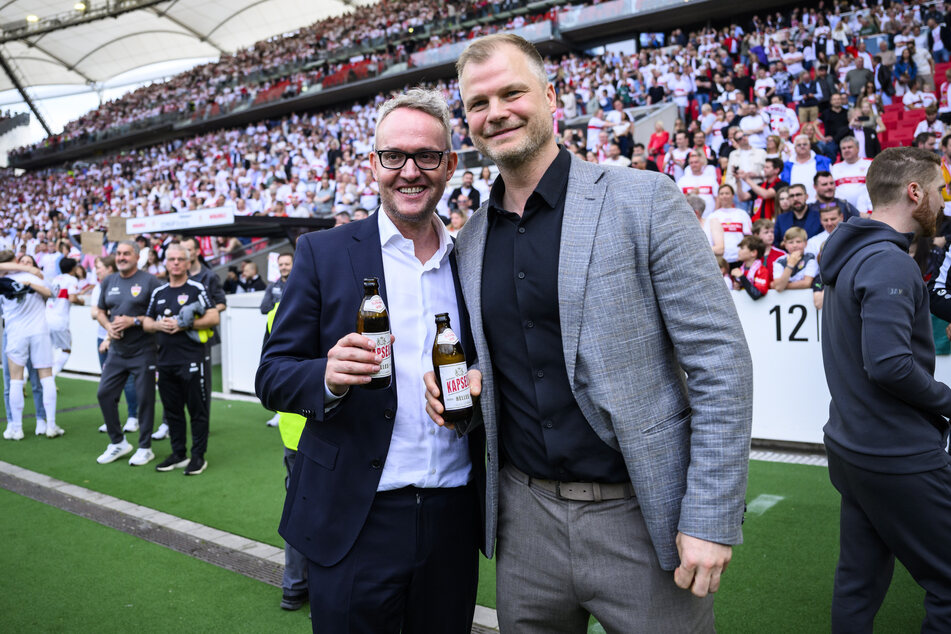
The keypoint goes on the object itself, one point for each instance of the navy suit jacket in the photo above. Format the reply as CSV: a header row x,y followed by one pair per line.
x,y
341,453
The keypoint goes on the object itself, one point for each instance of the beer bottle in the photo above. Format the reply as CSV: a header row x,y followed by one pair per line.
x,y
374,322
449,364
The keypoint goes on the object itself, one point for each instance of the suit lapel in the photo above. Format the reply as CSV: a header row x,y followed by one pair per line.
x,y
366,256
583,201
470,272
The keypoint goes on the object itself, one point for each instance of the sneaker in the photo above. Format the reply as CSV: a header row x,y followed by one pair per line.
x,y
293,601
272,422
196,465
103,429
131,425
40,427
161,433
115,451
142,456
13,434
172,462
53,430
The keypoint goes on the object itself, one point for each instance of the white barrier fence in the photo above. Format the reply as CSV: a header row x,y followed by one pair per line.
x,y
790,396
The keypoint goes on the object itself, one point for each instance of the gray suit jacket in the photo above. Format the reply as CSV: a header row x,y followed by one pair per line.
x,y
654,349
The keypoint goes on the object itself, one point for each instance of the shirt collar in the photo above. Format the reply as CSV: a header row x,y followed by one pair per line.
x,y
551,187
389,233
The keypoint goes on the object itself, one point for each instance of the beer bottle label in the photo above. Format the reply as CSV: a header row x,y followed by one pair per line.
x,y
374,304
447,336
455,386
383,349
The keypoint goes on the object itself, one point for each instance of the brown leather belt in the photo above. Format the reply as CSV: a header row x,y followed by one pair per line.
x,y
578,491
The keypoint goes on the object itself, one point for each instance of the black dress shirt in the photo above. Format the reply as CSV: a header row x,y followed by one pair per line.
x,y
542,430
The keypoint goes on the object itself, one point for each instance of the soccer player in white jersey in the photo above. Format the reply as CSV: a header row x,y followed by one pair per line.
x,y
28,339
849,173
65,293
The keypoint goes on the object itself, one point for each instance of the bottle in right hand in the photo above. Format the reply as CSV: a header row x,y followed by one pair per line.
x,y
452,374
373,321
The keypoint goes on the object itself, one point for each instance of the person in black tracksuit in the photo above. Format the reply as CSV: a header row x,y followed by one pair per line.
x,y
887,433
182,348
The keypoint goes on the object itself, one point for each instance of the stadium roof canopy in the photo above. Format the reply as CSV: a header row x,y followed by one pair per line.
x,y
57,42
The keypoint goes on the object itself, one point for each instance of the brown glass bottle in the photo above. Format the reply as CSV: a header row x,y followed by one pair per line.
x,y
374,322
449,364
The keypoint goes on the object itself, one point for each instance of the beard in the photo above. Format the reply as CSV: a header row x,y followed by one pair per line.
x,y
926,218
538,131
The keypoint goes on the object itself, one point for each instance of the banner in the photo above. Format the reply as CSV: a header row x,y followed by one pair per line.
x,y
165,223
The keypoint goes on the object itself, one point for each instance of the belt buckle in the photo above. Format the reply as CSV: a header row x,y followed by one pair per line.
x,y
558,491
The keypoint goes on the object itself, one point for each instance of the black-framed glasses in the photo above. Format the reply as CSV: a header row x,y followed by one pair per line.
x,y
425,160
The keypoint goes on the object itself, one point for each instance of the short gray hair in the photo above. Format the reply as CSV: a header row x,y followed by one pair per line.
x,y
429,101
132,243
696,203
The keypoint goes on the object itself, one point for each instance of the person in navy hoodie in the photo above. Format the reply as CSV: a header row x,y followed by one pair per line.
x,y
887,434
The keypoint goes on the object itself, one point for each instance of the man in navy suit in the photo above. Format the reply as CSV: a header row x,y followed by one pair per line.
x,y
381,502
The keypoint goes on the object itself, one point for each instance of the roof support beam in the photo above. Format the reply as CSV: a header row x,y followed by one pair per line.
x,y
20,89
61,62
61,21
201,38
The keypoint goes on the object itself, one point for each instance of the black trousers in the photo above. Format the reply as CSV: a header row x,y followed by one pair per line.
x,y
414,568
884,516
115,372
180,386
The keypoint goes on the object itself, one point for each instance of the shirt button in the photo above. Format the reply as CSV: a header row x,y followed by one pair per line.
x,y
432,432
540,374
433,472
521,229
521,275
548,424
529,324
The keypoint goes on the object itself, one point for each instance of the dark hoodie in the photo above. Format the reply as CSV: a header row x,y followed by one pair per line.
x,y
888,414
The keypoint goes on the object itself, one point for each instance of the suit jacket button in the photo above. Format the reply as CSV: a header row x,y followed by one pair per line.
x,y
388,414
376,464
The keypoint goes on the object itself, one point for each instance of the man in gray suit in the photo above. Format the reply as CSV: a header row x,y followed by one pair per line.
x,y
616,380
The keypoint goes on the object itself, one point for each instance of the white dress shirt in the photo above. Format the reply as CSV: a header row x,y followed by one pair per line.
x,y
421,453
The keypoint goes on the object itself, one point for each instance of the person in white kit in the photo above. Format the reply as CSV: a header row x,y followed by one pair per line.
x,y
849,173
736,223
65,292
28,339
700,181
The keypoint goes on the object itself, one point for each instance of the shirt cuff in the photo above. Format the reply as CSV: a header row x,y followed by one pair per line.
x,y
331,400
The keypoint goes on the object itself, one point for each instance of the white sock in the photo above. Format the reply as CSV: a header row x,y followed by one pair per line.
x,y
49,399
59,360
16,403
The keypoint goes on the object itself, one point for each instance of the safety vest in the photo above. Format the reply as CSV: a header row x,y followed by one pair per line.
x,y
290,425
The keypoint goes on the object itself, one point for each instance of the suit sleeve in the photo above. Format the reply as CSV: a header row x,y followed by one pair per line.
x,y
704,328
290,377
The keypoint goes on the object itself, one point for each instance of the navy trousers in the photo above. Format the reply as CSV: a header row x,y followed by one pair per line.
x,y
884,516
413,569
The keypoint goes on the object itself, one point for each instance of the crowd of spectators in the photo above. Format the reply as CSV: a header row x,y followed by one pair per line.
x,y
779,106
372,36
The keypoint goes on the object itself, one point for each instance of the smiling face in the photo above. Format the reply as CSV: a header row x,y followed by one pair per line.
x,y
409,194
508,109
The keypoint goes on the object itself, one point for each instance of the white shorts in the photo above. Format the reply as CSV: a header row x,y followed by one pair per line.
x,y
62,339
35,348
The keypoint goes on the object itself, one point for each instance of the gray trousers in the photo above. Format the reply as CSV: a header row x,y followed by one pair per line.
x,y
115,372
560,561
294,582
